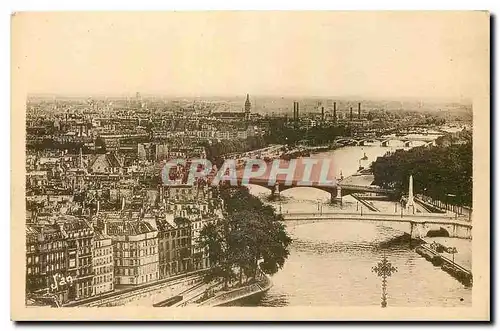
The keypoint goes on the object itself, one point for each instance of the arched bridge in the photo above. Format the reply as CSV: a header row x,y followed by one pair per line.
x,y
321,176
384,141
417,225
336,188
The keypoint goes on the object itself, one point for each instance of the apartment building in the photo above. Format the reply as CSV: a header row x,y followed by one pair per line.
x,y
135,251
103,264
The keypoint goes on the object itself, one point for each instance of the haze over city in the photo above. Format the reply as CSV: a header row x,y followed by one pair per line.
x,y
268,53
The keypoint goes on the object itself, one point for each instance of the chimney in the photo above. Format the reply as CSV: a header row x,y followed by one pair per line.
x,y
350,115
322,114
335,111
359,110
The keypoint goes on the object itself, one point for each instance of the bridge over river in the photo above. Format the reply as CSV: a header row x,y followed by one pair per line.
x,y
417,225
406,140
281,175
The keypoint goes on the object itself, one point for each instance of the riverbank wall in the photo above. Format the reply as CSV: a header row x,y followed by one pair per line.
x,y
454,269
233,297
121,297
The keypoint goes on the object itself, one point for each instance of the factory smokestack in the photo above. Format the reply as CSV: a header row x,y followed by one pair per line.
x,y
359,110
335,111
322,114
350,115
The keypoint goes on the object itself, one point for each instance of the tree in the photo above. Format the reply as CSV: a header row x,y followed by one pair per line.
x,y
256,231
249,233
437,171
213,237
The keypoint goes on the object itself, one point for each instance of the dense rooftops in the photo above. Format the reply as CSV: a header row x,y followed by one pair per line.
x,y
131,228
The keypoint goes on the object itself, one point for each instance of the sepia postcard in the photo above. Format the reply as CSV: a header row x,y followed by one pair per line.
x,y
246,165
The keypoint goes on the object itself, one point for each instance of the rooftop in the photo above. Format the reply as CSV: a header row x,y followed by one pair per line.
x,y
129,228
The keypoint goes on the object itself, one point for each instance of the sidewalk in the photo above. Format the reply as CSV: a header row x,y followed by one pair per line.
x,y
448,208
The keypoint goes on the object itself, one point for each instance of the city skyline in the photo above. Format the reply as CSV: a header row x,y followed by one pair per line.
x,y
231,53
250,159
241,96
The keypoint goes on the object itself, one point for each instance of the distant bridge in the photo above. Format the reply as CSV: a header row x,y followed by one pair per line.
x,y
320,175
384,141
417,225
335,190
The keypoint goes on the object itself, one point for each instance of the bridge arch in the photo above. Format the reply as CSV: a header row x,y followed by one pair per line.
x,y
307,192
415,143
441,232
257,189
392,142
257,185
326,189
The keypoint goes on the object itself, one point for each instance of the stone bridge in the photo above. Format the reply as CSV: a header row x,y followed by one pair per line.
x,y
384,141
417,225
320,176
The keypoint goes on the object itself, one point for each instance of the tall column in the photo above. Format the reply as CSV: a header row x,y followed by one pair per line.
x,y
275,191
410,203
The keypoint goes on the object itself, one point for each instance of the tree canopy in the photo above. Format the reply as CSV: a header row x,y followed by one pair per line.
x,y
216,151
250,232
439,172
279,133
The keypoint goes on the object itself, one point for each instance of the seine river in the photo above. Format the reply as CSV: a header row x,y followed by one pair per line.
x,y
331,263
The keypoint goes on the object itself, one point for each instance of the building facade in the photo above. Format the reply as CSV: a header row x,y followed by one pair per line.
x,y
200,255
135,250
79,235
103,264
174,245
46,262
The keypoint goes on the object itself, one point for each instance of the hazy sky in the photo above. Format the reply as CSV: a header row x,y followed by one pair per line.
x,y
436,55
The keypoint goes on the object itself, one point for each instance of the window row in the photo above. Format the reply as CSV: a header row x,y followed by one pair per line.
x,y
139,244
102,279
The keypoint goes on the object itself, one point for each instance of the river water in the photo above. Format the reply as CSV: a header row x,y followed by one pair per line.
x,y
331,263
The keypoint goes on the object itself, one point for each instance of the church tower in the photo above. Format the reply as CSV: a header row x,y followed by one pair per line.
x,y
248,106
